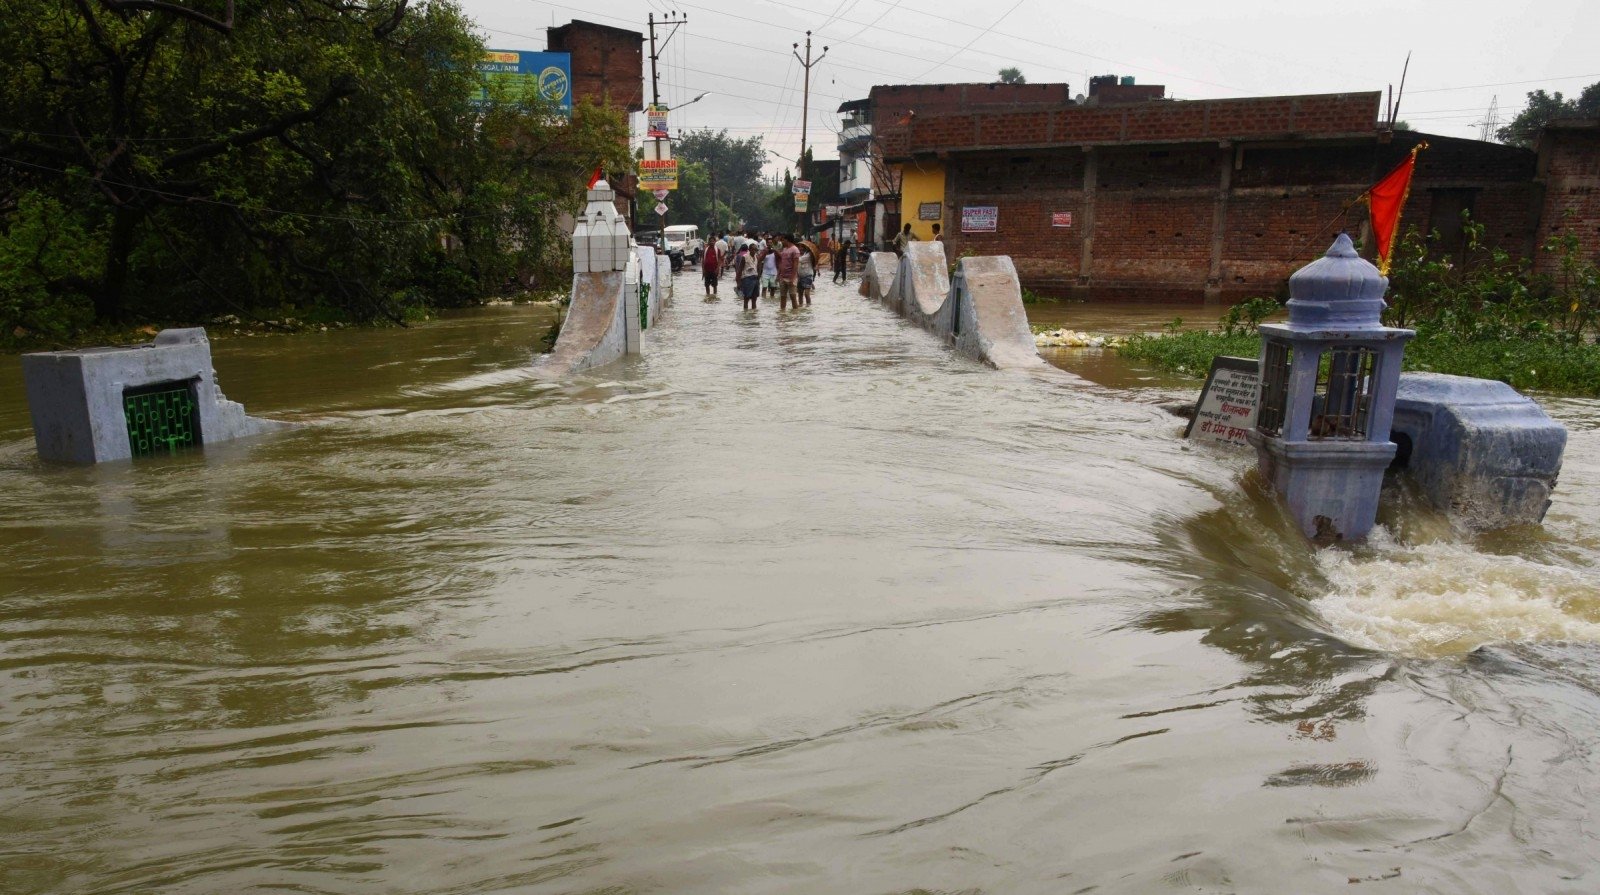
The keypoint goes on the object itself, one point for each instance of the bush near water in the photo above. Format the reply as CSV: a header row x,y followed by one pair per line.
x,y
1481,314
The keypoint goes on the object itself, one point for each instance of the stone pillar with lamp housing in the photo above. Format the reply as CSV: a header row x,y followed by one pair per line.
x,y
1328,382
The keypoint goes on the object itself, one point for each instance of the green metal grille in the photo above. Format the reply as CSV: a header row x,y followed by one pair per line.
x,y
161,419
644,305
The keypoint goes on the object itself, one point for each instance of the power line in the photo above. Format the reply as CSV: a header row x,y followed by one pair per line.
x,y
1508,83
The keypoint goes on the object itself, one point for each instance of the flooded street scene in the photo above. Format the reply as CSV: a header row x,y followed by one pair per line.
x,y
713,451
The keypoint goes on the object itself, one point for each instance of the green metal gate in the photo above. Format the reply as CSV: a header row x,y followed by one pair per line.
x,y
162,419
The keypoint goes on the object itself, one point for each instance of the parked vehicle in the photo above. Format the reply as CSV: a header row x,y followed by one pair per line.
x,y
686,238
653,238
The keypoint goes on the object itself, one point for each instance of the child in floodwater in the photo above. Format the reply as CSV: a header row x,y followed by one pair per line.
x,y
747,273
808,275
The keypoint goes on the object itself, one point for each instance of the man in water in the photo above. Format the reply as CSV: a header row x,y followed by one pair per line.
x,y
841,258
711,269
769,268
788,257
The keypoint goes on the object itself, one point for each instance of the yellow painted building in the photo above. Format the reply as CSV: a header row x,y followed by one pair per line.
x,y
922,183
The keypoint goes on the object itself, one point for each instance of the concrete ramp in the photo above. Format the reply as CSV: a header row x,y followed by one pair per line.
x,y
923,284
595,331
990,322
877,281
978,310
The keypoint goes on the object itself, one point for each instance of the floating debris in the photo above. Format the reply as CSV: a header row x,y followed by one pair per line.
x,y
1067,338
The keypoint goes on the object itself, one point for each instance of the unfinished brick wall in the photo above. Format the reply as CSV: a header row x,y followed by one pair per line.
x,y
1155,209
1569,172
607,63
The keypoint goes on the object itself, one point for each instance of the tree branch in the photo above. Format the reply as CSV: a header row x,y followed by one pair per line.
x,y
387,28
341,88
223,25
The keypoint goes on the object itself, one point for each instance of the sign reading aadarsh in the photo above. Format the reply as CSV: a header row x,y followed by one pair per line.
x,y
980,218
1227,406
658,175
522,71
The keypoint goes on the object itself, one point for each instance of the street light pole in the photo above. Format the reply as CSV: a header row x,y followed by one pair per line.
x,y
673,19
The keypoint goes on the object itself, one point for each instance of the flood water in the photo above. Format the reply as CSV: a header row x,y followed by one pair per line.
x,y
793,603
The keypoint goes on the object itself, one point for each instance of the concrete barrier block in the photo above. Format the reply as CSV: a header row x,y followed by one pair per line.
x,y
1479,450
79,399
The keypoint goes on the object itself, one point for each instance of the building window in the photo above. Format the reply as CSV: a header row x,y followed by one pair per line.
x,y
1274,389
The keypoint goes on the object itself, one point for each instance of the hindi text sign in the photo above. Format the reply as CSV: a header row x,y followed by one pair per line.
x,y
930,211
1227,406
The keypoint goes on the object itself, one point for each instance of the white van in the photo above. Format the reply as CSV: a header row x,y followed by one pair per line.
x,y
686,238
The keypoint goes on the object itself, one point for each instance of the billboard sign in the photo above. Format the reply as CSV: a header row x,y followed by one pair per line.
x,y
522,71
656,123
801,201
802,187
658,175
980,218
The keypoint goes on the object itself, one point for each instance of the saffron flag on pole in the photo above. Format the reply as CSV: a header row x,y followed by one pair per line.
x,y
595,177
1385,200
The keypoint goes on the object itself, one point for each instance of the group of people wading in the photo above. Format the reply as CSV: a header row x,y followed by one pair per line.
x,y
772,263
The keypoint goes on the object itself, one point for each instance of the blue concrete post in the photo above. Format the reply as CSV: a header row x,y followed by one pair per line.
x,y
1328,381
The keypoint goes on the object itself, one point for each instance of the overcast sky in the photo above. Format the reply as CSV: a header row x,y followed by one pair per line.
x,y
1464,52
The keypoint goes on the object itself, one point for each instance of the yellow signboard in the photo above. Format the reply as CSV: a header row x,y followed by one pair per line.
x,y
662,175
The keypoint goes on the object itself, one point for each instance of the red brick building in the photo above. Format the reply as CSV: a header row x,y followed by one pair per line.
x,y
1569,176
1128,195
607,63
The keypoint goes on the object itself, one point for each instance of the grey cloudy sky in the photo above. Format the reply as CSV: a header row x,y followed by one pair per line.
x,y
1464,52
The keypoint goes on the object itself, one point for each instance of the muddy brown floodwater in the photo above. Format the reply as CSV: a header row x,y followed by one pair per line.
x,y
794,603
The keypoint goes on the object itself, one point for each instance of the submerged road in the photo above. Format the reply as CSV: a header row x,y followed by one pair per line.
x,y
795,602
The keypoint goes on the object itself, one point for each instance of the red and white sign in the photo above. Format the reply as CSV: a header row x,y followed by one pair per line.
x,y
1061,219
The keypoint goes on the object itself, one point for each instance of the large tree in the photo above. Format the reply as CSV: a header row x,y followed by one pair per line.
x,y
195,155
1544,107
735,166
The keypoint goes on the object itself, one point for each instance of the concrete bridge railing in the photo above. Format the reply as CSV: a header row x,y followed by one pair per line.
x,y
978,309
619,290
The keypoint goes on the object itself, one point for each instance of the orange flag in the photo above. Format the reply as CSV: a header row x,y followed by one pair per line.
x,y
595,177
1385,200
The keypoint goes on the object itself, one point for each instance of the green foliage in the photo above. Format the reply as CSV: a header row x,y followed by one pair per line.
x,y
1482,314
320,156
735,165
1189,353
1542,108
1243,318
43,252
1012,75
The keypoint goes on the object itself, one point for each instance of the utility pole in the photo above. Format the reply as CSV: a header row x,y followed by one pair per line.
x,y
805,112
674,19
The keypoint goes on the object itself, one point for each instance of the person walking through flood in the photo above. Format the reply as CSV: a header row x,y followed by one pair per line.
x,y
747,274
808,275
841,258
788,263
711,269
769,267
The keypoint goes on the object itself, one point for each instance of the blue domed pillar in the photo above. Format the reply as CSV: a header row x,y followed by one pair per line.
x,y
1328,382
